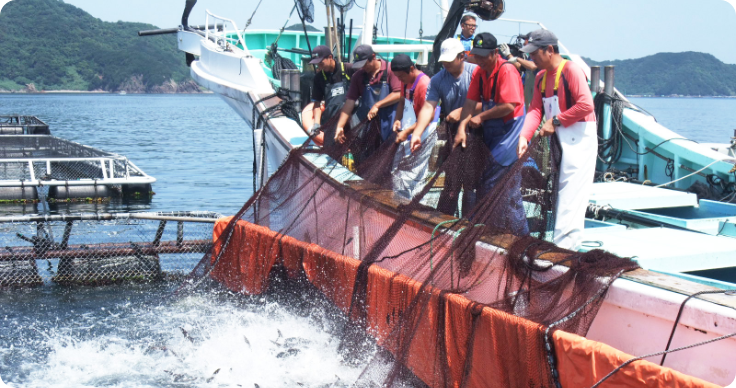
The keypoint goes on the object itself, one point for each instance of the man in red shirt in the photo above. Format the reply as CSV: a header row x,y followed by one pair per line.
x,y
561,93
497,84
414,86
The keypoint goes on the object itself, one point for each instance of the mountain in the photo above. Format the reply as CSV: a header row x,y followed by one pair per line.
x,y
664,74
51,45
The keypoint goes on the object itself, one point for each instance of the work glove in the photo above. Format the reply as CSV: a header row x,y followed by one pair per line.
x,y
505,51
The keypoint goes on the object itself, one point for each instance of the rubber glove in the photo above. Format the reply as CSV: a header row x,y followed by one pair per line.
x,y
505,51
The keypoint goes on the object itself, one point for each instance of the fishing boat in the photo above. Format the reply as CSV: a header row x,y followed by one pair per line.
x,y
640,310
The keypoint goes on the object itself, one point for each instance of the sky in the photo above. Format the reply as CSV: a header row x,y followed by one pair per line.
x,y
597,29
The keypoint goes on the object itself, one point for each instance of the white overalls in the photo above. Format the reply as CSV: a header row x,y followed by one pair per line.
x,y
579,144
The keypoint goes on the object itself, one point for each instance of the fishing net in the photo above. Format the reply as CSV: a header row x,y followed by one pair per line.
x,y
441,255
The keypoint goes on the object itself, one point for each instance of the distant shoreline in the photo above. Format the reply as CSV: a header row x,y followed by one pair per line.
x,y
650,96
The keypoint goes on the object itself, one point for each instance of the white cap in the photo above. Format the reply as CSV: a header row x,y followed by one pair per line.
x,y
451,47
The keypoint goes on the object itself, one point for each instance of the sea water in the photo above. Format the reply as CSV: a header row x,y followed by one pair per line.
x,y
140,335
143,336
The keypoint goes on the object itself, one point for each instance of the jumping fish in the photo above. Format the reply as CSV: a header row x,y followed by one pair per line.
x,y
186,335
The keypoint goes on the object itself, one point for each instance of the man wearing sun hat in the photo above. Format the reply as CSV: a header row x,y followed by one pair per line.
x,y
562,95
497,85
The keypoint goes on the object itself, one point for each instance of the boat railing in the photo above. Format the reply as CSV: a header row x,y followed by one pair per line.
x,y
223,37
34,160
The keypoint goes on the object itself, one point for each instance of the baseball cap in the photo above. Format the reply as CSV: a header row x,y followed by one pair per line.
x,y
483,44
450,49
319,53
539,38
361,55
401,62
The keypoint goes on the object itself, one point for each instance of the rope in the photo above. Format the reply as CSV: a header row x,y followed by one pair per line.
x,y
679,314
247,24
431,239
551,361
689,175
659,354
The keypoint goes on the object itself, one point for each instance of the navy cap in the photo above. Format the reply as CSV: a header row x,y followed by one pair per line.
x,y
539,38
361,55
484,44
319,53
401,62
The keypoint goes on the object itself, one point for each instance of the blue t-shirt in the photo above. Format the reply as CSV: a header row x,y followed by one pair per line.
x,y
448,90
467,42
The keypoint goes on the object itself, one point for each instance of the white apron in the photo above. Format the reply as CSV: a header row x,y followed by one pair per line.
x,y
410,171
579,144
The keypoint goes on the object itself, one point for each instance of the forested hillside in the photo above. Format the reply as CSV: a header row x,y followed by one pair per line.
x,y
665,74
51,45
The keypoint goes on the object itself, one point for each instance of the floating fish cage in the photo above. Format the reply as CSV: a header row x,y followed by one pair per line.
x,y
101,248
23,125
36,166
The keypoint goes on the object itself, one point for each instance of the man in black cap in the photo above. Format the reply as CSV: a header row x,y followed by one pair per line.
x,y
562,95
330,87
414,88
497,84
377,88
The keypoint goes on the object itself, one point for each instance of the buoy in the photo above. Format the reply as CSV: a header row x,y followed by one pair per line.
x,y
86,191
19,193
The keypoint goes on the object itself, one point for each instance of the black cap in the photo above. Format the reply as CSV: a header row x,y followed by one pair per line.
x,y
401,62
361,55
539,38
483,44
319,53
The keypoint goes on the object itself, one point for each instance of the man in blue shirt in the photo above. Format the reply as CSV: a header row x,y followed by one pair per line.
x,y
449,88
468,24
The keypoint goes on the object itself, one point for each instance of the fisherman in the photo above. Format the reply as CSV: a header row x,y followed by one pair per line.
x,y
468,24
329,88
403,67
561,93
525,65
378,89
497,84
448,88
408,171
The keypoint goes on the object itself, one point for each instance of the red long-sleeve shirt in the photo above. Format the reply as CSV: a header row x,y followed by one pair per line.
x,y
582,108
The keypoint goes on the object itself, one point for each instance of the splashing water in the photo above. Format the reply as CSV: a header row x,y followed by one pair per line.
x,y
135,336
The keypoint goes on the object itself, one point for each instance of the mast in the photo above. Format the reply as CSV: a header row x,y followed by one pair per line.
x,y
444,9
368,17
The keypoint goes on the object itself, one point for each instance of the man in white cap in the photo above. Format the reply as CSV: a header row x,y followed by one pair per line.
x,y
561,93
449,88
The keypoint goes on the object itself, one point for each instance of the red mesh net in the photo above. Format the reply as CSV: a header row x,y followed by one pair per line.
x,y
441,255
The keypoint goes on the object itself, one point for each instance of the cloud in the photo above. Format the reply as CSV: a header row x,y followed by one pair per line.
x,y
2,4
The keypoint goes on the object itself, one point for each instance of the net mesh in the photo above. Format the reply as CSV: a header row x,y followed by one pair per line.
x,y
93,249
424,251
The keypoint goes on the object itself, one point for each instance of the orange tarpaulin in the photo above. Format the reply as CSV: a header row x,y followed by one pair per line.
x,y
447,340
